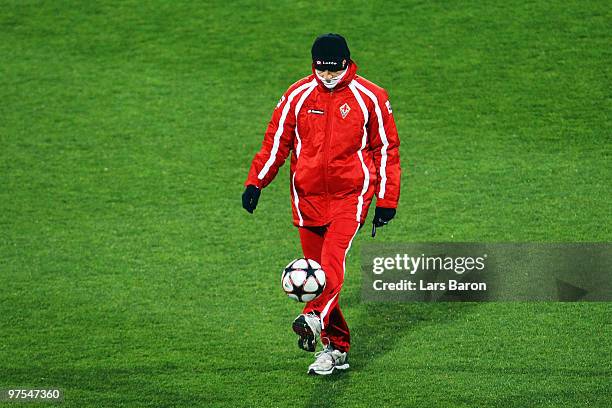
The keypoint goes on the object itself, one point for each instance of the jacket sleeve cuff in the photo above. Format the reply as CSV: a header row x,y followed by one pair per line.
x,y
386,203
253,182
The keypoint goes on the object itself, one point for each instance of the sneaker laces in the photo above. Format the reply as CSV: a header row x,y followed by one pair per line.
x,y
325,355
318,319
313,315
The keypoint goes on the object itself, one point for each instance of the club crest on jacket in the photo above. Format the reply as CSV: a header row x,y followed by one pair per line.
x,y
344,110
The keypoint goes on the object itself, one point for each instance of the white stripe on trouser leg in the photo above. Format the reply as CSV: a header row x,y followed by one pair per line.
x,y
347,249
366,172
325,310
327,306
383,137
279,131
298,149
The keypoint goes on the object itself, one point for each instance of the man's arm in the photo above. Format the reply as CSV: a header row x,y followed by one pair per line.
x,y
275,148
277,142
384,142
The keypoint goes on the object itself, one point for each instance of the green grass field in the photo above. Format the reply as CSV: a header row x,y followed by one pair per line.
x,y
131,276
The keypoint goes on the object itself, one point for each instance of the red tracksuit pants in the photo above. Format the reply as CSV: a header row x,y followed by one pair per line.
x,y
329,245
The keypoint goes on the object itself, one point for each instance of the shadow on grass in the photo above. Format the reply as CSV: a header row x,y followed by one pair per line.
x,y
378,329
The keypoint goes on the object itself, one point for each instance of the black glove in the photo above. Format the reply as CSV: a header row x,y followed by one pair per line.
x,y
382,216
250,197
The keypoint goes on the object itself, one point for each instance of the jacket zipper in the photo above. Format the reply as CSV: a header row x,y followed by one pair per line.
x,y
328,130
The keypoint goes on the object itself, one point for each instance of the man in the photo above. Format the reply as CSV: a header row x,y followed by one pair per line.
x,y
344,149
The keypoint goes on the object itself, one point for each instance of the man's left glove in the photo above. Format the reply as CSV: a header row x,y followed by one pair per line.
x,y
382,216
250,197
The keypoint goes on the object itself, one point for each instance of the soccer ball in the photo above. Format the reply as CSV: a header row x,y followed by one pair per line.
x,y
303,280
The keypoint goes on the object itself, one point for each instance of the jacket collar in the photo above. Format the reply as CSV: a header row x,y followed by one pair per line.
x,y
348,77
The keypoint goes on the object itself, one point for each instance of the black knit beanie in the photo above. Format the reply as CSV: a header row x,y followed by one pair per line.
x,y
330,53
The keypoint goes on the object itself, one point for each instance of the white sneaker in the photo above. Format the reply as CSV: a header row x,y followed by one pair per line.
x,y
327,361
308,327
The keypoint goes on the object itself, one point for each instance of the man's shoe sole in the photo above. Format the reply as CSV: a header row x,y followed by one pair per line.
x,y
344,366
307,340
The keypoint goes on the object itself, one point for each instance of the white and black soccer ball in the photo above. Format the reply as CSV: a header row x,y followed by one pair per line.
x,y
303,280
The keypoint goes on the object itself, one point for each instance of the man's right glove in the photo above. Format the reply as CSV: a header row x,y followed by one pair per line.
x,y
382,216
250,197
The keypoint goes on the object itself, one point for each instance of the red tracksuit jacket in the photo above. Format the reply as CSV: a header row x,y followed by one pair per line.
x,y
344,149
